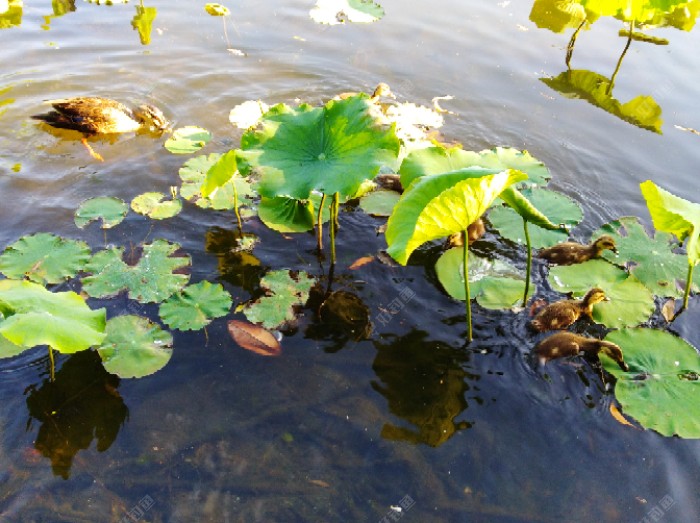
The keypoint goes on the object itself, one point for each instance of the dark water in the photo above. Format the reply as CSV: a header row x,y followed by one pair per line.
x,y
334,429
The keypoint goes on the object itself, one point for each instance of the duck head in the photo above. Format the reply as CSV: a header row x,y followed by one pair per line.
x,y
605,242
152,117
595,295
614,352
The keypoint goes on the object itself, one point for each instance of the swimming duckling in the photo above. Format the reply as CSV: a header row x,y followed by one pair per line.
x,y
569,253
563,344
561,314
94,115
475,231
382,90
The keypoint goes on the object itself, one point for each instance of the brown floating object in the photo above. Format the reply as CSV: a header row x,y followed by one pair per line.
x,y
561,314
562,344
254,338
570,253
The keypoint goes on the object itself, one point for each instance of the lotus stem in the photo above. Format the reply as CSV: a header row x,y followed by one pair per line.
x,y
572,43
235,209
619,62
688,284
319,224
467,295
528,269
52,368
334,224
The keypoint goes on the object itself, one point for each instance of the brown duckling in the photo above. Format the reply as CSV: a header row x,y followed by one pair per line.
x,y
94,115
561,314
563,344
569,253
475,231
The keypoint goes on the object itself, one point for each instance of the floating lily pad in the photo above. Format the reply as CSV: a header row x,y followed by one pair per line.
x,y
44,258
330,149
380,202
559,208
193,174
333,12
152,279
650,259
135,347
631,303
217,10
438,159
285,293
494,283
61,320
111,211
155,206
661,388
187,140
248,114
195,306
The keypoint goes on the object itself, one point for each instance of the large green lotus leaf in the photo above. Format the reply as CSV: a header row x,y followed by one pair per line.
x,y
155,206
284,214
558,207
61,320
333,12
556,15
111,211
651,260
661,388
219,173
193,174
331,149
442,204
44,258
380,202
9,349
631,303
642,111
152,279
134,347
285,292
494,283
673,214
187,140
438,159
653,13
195,306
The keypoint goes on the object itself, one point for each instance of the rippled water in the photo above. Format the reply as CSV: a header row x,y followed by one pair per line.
x,y
334,429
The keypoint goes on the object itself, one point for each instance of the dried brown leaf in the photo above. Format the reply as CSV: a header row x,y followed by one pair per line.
x,y
619,416
254,338
360,262
668,310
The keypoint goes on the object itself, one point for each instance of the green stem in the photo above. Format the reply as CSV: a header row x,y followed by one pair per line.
x,y
52,369
572,43
528,270
334,224
688,284
319,224
467,295
619,62
235,209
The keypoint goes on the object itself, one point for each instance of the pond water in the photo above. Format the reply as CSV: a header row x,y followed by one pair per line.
x,y
334,429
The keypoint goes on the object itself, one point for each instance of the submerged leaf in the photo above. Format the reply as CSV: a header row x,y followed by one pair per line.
x,y
152,279
286,292
661,388
60,320
44,258
195,306
187,140
134,347
254,338
108,209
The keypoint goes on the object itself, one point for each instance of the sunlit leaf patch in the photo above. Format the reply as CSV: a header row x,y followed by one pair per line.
x,y
333,12
156,206
193,174
187,140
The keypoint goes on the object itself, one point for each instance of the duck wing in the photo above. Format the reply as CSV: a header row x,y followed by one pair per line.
x,y
89,115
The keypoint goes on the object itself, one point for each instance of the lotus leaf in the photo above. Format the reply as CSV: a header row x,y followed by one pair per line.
x,y
193,174
134,347
442,204
380,202
187,140
290,215
60,320
44,258
219,173
558,207
143,22
155,206
631,303
108,209
217,10
195,306
436,160
285,292
494,283
248,114
152,279
331,149
9,349
332,12
650,259
661,388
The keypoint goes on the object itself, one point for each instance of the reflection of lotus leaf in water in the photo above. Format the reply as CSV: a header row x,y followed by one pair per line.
x,y
348,313
642,111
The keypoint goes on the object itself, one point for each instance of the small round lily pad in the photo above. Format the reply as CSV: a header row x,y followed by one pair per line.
x,y
195,306
110,210
154,205
187,140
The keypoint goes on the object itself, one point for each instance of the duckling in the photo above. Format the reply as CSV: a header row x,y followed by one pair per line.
x,y
94,115
475,231
569,253
563,344
382,90
561,314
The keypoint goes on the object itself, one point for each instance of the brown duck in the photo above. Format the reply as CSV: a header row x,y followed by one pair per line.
x,y
563,344
93,115
561,314
569,253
